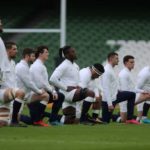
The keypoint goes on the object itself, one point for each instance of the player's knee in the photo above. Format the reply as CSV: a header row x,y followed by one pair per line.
x,y
70,115
90,93
69,111
20,94
86,93
10,94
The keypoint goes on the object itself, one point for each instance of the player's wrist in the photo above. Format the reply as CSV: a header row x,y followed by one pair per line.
x,y
40,92
54,92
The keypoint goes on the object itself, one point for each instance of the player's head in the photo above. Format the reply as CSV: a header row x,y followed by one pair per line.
x,y
11,48
42,53
129,62
97,70
68,52
1,26
29,55
113,58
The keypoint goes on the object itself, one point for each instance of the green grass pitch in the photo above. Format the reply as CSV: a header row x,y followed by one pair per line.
x,y
76,137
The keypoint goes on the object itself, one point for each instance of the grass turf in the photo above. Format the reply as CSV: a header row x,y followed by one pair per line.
x,y
76,137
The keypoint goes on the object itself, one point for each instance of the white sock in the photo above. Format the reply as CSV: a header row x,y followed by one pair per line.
x,y
62,120
96,111
44,102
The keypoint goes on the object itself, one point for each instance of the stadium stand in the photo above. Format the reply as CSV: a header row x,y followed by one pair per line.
x,y
90,28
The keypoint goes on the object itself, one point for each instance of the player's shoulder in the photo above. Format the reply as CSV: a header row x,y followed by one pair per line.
x,y
21,67
63,65
84,70
64,62
144,73
36,64
77,66
108,68
18,65
144,70
124,73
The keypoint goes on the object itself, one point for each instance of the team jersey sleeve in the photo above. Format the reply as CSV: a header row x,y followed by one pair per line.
x,y
24,75
140,83
39,74
85,78
57,74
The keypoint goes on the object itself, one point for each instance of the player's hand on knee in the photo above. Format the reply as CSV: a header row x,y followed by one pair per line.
x,y
147,96
55,96
41,91
111,108
144,95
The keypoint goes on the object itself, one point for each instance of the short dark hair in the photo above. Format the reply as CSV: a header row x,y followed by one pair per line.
x,y
64,50
99,67
40,50
126,58
112,54
9,44
27,51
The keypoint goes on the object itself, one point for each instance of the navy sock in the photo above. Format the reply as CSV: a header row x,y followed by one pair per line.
x,y
16,108
146,109
85,108
34,111
47,114
57,105
41,110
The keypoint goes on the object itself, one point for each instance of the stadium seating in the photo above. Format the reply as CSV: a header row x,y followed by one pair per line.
x,y
90,31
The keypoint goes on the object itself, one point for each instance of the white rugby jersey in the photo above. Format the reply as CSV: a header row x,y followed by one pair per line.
x,y
86,80
110,84
4,62
39,76
66,74
125,80
23,78
9,77
143,80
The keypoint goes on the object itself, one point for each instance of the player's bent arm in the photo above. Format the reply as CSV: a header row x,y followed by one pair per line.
x,y
55,77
